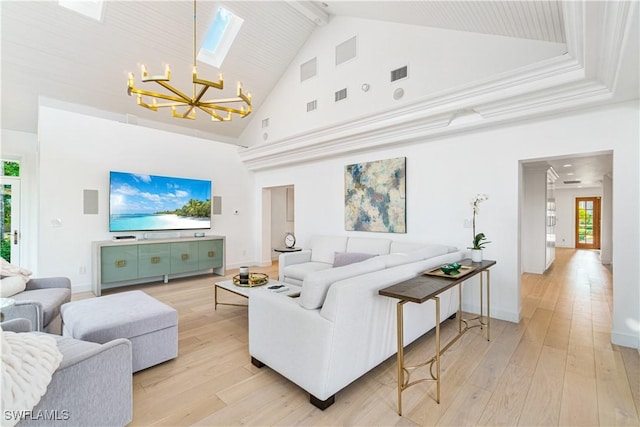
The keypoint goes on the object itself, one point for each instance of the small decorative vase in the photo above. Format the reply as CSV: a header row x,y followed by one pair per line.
x,y
476,255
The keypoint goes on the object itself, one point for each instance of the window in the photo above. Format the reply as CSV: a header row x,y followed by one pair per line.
x,y
220,37
10,168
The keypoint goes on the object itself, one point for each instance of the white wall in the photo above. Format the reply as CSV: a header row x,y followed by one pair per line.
x,y
566,213
77,152
444,174
438,60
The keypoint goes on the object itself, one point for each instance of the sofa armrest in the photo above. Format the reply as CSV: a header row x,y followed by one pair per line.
x,y
16,325
291,340
92,385
30,310
291,258
48,282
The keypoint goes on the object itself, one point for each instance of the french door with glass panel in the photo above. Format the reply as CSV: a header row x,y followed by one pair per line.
x,y
10,212
587,222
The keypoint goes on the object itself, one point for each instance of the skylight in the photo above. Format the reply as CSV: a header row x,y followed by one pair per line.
x,y
90,8
220,37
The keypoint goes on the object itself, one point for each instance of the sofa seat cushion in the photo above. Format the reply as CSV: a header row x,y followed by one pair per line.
x,y
51,299
323,248
300,271
316,285
124,315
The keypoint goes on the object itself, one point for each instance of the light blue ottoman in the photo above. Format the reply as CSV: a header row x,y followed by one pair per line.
x,y
150,325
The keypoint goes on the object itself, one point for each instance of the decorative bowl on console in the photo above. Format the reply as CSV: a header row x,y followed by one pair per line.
x,y
451,269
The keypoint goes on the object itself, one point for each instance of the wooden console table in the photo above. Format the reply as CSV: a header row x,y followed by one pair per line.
x,y
427,287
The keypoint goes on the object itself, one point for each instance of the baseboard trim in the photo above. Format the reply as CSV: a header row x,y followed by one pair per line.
x,y
625,339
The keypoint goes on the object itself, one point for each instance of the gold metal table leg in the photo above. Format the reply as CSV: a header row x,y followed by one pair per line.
x,y
400,354
488,306
437,299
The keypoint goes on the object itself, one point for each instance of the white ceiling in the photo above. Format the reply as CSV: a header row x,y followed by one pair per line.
x,y
59,56
51,52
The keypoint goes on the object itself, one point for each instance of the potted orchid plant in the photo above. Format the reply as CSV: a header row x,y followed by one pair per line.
x,y
479,239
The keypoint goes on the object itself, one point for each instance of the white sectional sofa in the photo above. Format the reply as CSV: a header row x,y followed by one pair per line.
x,y
340,328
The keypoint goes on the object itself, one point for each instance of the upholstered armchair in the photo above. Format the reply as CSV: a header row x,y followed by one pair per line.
x,y
92,386
40,303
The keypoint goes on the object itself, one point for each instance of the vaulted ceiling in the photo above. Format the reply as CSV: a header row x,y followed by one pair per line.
x,y
54,56
71,60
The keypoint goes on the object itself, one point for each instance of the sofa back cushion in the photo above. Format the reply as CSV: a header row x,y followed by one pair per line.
x,y
405,247
368,245
346,258
357,294
323,248
316,285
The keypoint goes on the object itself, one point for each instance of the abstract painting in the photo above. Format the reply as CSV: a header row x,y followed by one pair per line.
x,y
374,196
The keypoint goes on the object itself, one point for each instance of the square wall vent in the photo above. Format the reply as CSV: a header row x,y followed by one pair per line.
x,y
399,73
308,69
312,105
346,50
340,95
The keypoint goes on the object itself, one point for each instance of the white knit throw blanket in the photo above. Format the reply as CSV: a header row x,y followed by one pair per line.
x,y
28,363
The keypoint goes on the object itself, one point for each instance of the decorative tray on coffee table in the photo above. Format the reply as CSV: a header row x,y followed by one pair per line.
x,y
255,279
463,271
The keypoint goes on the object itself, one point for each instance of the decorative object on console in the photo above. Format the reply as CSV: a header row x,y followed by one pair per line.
x,y
289,240
479,238
188,104
253,279
451,269
374,196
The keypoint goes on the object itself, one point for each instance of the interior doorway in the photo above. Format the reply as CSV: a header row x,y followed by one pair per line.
x,y
587,225
278,219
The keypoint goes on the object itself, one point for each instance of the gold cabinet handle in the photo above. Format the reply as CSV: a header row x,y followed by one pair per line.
x,y
211,254
155,260
121,263
185,257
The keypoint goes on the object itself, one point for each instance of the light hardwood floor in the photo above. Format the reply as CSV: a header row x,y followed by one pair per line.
x,y
556,367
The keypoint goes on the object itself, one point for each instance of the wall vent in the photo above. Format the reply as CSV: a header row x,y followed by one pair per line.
x,y
399,73
346,50
265,123
574,181
308,69
341,94
312,105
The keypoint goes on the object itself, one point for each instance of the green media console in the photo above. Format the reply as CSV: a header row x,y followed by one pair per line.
x,y
138,261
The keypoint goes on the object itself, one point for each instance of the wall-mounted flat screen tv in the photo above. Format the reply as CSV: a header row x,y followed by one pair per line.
x,y
150,203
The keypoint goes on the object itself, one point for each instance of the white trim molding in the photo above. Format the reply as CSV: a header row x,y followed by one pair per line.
x,y
583,77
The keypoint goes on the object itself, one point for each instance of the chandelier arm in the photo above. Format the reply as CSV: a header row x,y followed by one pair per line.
x,y
186,115
180,100
213,114
221,108
170,88
218,85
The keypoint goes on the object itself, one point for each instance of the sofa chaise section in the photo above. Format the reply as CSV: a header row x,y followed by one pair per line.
x,y
325,349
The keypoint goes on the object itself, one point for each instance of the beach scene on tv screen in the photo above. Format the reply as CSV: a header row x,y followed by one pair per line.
x,y
149,202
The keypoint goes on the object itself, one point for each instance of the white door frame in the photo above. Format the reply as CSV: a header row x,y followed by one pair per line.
x,y
16,233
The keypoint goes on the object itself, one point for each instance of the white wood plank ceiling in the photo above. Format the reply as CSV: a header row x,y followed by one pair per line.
x,y
48,51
